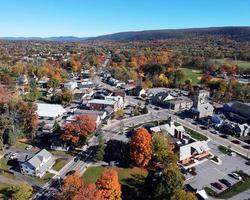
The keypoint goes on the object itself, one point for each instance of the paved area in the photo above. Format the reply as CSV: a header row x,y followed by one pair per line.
x,y
209,172
9,181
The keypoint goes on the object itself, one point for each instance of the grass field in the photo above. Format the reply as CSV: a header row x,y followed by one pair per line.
x,y
93,173
195,134
193,74
240,64
60,163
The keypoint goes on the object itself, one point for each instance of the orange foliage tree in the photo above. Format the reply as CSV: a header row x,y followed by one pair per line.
x,y
77,131
141,147
109,185
88,192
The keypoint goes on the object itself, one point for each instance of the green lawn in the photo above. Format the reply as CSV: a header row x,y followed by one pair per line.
x,y
223,149
20,145
195,134
60,163
192,74
240,64
3,164
44,179
93,173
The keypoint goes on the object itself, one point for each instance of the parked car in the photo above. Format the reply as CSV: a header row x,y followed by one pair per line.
x,y
189,188
214,132
246,146
225,182
235,141
184,171
236,176
247,163
13,156
224,136
217,185
28,147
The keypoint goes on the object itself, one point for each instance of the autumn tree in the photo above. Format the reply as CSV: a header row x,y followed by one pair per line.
x,y
77,131
88,192
109,185
141,147
183,195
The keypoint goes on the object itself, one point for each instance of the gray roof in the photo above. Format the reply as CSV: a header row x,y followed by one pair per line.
x,y
239,108
37,160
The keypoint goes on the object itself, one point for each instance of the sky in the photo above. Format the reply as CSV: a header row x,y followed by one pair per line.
x,y
84,18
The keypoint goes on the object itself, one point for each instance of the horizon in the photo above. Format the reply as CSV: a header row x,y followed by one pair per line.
x,y
95,18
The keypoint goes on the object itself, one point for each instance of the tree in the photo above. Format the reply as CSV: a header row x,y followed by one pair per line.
x,y
100,150
183,195
109,185
88,192
71,186
141,147
21,192
162,150
170,180
77,131
119,114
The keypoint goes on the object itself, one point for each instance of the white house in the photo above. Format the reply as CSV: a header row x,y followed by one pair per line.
x,y
39,164
45,110
70,85
170,128
118,99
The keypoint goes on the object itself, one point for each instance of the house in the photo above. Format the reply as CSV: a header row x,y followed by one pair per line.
x,y
57,144
45,110
136,91
101,104
92,116
217,120
37,165
22,80
70,85
85,73
170,128
241,129
161,98
193,151
237,111
43,82
201,107
180,104
86,83
101,114
118,99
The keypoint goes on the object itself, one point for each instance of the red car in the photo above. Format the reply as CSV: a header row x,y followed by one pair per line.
x,y
235,141
217,185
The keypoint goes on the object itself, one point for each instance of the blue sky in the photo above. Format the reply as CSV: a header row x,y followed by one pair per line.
x,y
96,17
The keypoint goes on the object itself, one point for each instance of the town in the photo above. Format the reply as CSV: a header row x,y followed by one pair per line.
x,y
143,115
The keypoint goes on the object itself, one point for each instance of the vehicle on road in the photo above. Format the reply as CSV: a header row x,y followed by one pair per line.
x,y
28,147
236,176
224,136
235,141
246,146
70,172
225,182
189,188
247,163
214,132
217,185
13,156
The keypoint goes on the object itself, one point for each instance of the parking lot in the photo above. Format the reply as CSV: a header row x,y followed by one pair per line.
x,y
209,172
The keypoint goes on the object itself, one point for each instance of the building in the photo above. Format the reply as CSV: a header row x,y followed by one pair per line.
x,y
53,111
237,111
102,104
22,80
118,99
37,165
92,116
70,85
86,83
170,128
201,107
193,151
180,104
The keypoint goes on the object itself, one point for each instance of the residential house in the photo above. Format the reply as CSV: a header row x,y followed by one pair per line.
x,y
201,107
22,80
193,151
92,116
86,83
51,111
37,165
237,111
118,99
180,104
70,85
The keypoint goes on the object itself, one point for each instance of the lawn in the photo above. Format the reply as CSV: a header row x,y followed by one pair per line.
x,y
131,179
195,134
192,74
223,149
239,63
60,163
20,145
93,173
44,179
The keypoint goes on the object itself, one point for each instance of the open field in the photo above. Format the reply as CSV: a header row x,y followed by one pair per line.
x,y
193,74
239,63
60,163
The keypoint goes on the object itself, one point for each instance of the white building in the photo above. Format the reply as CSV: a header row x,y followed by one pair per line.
x,y
118,99
70,85
45,110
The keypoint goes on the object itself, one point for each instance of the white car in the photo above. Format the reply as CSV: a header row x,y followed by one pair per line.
x,y
13,156
236,176
28,147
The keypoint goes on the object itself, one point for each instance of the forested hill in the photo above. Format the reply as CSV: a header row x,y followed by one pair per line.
x,y
236,33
